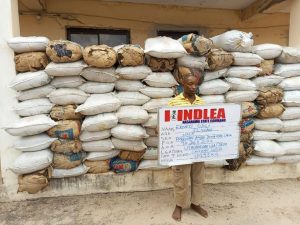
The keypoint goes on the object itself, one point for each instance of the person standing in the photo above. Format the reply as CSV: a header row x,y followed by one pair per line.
x,y
184,197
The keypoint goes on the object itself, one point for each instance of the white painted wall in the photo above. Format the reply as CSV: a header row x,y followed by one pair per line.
x,y
9,28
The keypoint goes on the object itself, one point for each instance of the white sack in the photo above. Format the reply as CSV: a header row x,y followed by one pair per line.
x,y
287,70
290,147
259,135
246,59
28,44
289,55
245,72
267,148
288,159
153,105
212,99
100,122
129,85
241,96
267,81
96,87
257,160
291,125
289,136
272,124
67,82
129,132
33,143
154,92
30,125
211,75
132,98
96,156
94,136
132,115
291,98
162,80
133,72
291,113
290,84
107,75
152,142
39,92
152,122
97,146
151,165
68,96
28,80
29,162
267,51
164,47
214,87
151,154
191,61
64,173
34,107
65,69
128,145
238,84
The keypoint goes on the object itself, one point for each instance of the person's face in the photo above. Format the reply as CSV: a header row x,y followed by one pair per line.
x,y
190,85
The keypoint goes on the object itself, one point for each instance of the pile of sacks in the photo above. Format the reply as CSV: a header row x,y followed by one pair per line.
x,y
95,109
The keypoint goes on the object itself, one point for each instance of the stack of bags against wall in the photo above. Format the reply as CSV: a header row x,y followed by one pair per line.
x,y
31,82
66,67
128,134
231,84
99,108
161,55
281,141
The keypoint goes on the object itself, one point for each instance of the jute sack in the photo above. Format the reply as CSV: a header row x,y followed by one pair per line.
x,y
218,59
67,160
245,149
181,72
269,95
249,109
195,44
270,111
246,137
101,56
247,125
267,67
101,166
131,155
65,129
66,112
39,92
31,61
61,51
128,145
130,55
159,64
35,182
66,146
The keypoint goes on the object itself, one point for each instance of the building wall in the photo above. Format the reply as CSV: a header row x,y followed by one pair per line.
x,y
143,20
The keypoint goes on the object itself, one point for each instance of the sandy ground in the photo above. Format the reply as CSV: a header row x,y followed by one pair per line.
x,y
263,203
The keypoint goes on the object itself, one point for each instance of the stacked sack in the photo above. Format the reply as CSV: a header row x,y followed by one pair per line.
x,y
65,68
128,134
99,108
231,83
279,140
32,85
162,53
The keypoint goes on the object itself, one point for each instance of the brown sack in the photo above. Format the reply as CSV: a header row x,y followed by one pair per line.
x,y
267,67
181,72
218,59
196,45
270,111
269,95
97,166
245,150
130,55
246,137
160,64
66,129
31,61
101,56
61,51
247,125
66,112
34,182
65,146
249,109
131,155
67,161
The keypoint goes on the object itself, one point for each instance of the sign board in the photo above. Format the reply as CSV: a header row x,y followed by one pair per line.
x,y
189,134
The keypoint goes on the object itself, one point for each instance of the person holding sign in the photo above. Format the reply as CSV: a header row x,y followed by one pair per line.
x,y
195,171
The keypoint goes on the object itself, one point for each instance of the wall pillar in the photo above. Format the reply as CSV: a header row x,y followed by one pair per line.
x,y
9,28
294,32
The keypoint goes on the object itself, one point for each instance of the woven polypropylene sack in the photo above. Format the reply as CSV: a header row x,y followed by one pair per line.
x,y
66,112
249,109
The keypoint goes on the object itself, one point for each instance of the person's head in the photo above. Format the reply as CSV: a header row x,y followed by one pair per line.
x,y
190,84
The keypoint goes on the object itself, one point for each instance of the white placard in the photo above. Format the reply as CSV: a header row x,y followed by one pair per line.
x,y
197,134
